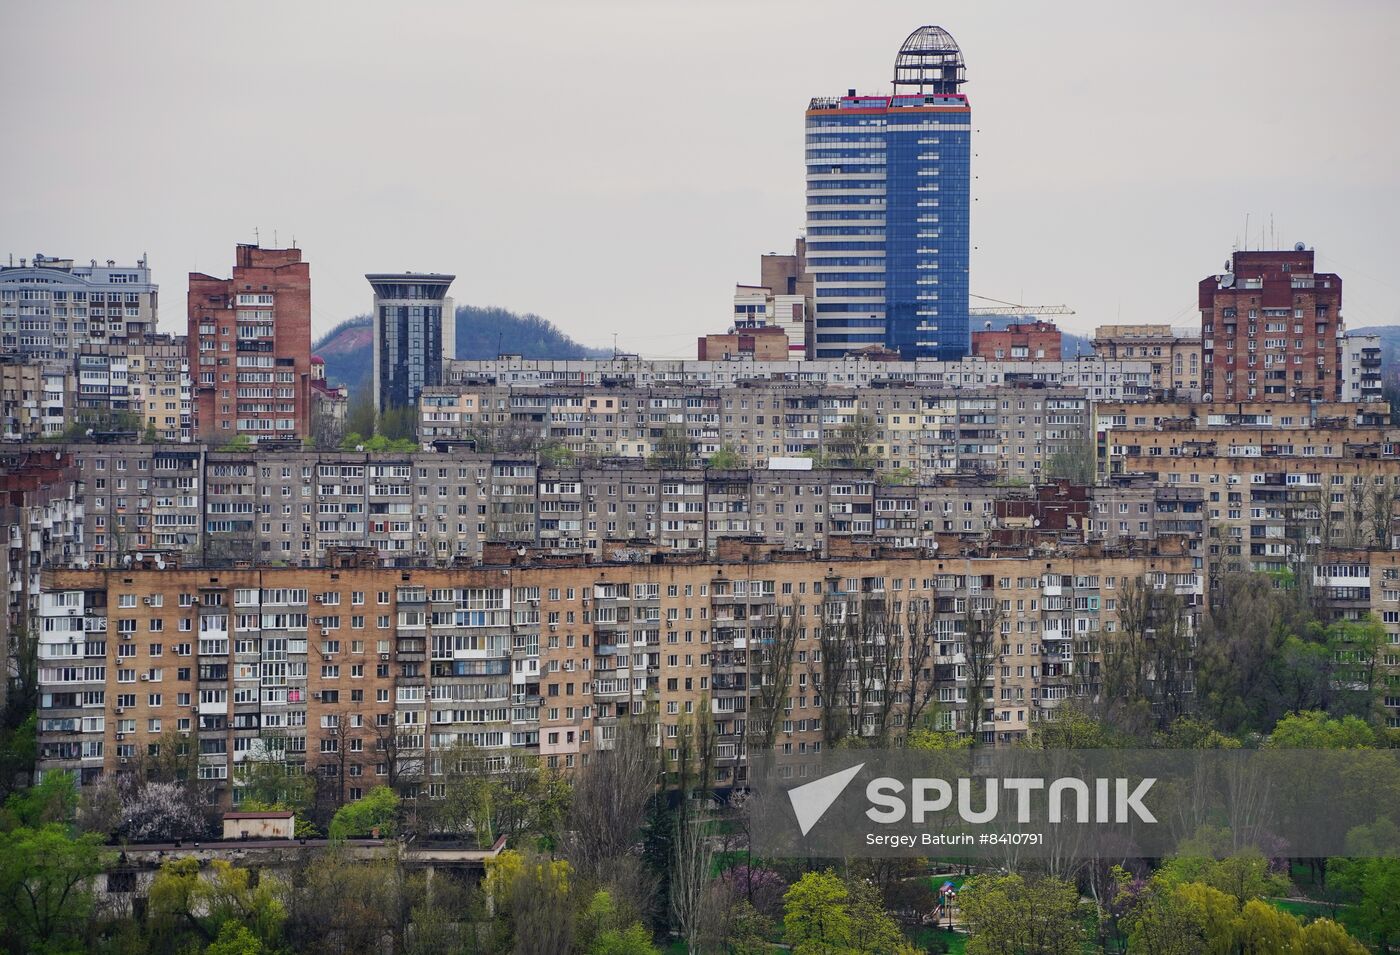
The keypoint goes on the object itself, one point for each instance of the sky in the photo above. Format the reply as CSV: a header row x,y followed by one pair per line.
x,y
617,165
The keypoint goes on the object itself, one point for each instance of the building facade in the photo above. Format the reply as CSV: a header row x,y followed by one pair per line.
x,y
1175,355
1018,341
1271,329
366,679
762,343
36,399
250,347
1362,378
50,308
415,332
888,205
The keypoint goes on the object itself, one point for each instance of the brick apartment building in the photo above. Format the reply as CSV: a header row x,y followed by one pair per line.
x,y
250,347
1270,329
1019,341
365,676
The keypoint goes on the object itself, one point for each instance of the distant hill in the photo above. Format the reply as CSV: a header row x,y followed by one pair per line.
x,y
481,333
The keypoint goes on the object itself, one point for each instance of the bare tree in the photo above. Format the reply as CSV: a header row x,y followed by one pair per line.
x,y
1147,661
917,686
672,447
401,757
691,888
610,797
1381,508
981,635
770,680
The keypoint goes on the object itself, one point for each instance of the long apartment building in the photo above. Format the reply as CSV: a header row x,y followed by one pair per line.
x,y
1104,379
1272,514
365,676
295,506
1010,431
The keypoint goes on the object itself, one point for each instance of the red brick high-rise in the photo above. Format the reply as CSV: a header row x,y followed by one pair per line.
x,y
1270,328
250,347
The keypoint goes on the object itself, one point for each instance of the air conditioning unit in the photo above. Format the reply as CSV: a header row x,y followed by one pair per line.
x,y
124,760
146,601
145,677
121,736
120,710
325,631
384,656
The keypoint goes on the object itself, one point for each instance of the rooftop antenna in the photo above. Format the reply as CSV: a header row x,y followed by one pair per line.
x,y
257,237
1246,231
274,238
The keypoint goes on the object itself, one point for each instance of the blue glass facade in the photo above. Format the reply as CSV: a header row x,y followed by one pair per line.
x,y
888,197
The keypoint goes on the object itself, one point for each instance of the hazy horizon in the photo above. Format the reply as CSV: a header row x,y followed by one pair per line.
x,y
616,167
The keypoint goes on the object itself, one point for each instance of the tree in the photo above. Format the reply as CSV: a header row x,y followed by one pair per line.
x,y
1147,661
981,636
771,658
1370,883
534,896
556,454
490,795
920,641
44,885
235,938
158,812
726,459
1356,648
360,416
399,423
1076,461
814,913
1316,730
823,916
633,940
848,444
610,798
53,799
690,885
1008,914
187,904
267,781
897,477
672,447
377,810
339,905
1243,876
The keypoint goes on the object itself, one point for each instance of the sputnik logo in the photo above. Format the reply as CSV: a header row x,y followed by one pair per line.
x,y
810,801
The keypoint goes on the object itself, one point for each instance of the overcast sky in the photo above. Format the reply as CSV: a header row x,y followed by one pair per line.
x,y
618,166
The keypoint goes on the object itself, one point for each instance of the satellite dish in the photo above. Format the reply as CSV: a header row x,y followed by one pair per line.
x,y
1300,247
1227,280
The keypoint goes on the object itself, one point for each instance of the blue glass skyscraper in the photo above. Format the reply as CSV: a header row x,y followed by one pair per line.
x,y
888,197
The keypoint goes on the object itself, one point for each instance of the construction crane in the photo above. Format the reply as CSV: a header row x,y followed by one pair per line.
x,y
1011,308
